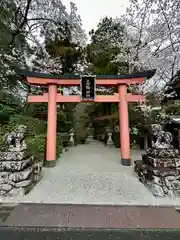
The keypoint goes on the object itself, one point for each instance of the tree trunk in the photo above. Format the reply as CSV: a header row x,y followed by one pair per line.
x,y
145,141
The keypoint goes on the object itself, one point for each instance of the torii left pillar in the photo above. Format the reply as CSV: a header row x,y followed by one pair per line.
x,y
51,126
124,126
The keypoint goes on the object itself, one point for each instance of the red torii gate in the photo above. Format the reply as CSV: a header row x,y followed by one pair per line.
x,y
53,97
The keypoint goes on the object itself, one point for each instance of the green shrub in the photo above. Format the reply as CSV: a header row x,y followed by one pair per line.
x,y
58,145
63,138
5,113
1,140
37,146
81,135
4,117
34,125
3,130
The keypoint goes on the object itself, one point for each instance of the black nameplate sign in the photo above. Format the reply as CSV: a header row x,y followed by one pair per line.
x,y
88,87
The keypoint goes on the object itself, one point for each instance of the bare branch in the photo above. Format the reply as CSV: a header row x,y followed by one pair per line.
x,y
24,21
169,28
141,31
41,19
168,46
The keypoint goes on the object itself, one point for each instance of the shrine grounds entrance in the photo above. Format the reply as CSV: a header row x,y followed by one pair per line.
x,y
88,94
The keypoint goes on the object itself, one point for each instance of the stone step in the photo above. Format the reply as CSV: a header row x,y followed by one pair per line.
x,y
5,211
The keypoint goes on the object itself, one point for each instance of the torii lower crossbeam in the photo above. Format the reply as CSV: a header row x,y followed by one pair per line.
x,y
99,99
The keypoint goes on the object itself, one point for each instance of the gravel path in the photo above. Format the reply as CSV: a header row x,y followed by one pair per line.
x,y
92,174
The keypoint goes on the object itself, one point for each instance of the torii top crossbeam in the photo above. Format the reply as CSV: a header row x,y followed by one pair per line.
x,y
122,97
36,78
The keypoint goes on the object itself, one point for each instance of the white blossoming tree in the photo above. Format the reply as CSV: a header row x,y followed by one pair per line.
x,y
142,116
155,43
25,24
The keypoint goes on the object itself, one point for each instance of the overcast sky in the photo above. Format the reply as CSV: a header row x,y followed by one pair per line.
x,y
91,11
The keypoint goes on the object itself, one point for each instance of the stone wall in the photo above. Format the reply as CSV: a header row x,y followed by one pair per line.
x,y
18,168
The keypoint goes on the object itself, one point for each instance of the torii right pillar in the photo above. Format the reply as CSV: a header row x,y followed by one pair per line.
x,y
124,126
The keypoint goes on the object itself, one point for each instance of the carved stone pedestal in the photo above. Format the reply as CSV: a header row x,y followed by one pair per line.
x,y
159,168
71,139
109,142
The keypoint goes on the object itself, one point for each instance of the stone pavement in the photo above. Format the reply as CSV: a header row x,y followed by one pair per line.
x,y
92,174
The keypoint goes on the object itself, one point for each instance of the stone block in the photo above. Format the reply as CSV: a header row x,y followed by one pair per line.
x,y
163,153
24,183
13,156
6,187
15,165
16,192
22,175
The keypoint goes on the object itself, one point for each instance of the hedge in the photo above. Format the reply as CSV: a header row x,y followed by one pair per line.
x,y
34,125
37,146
